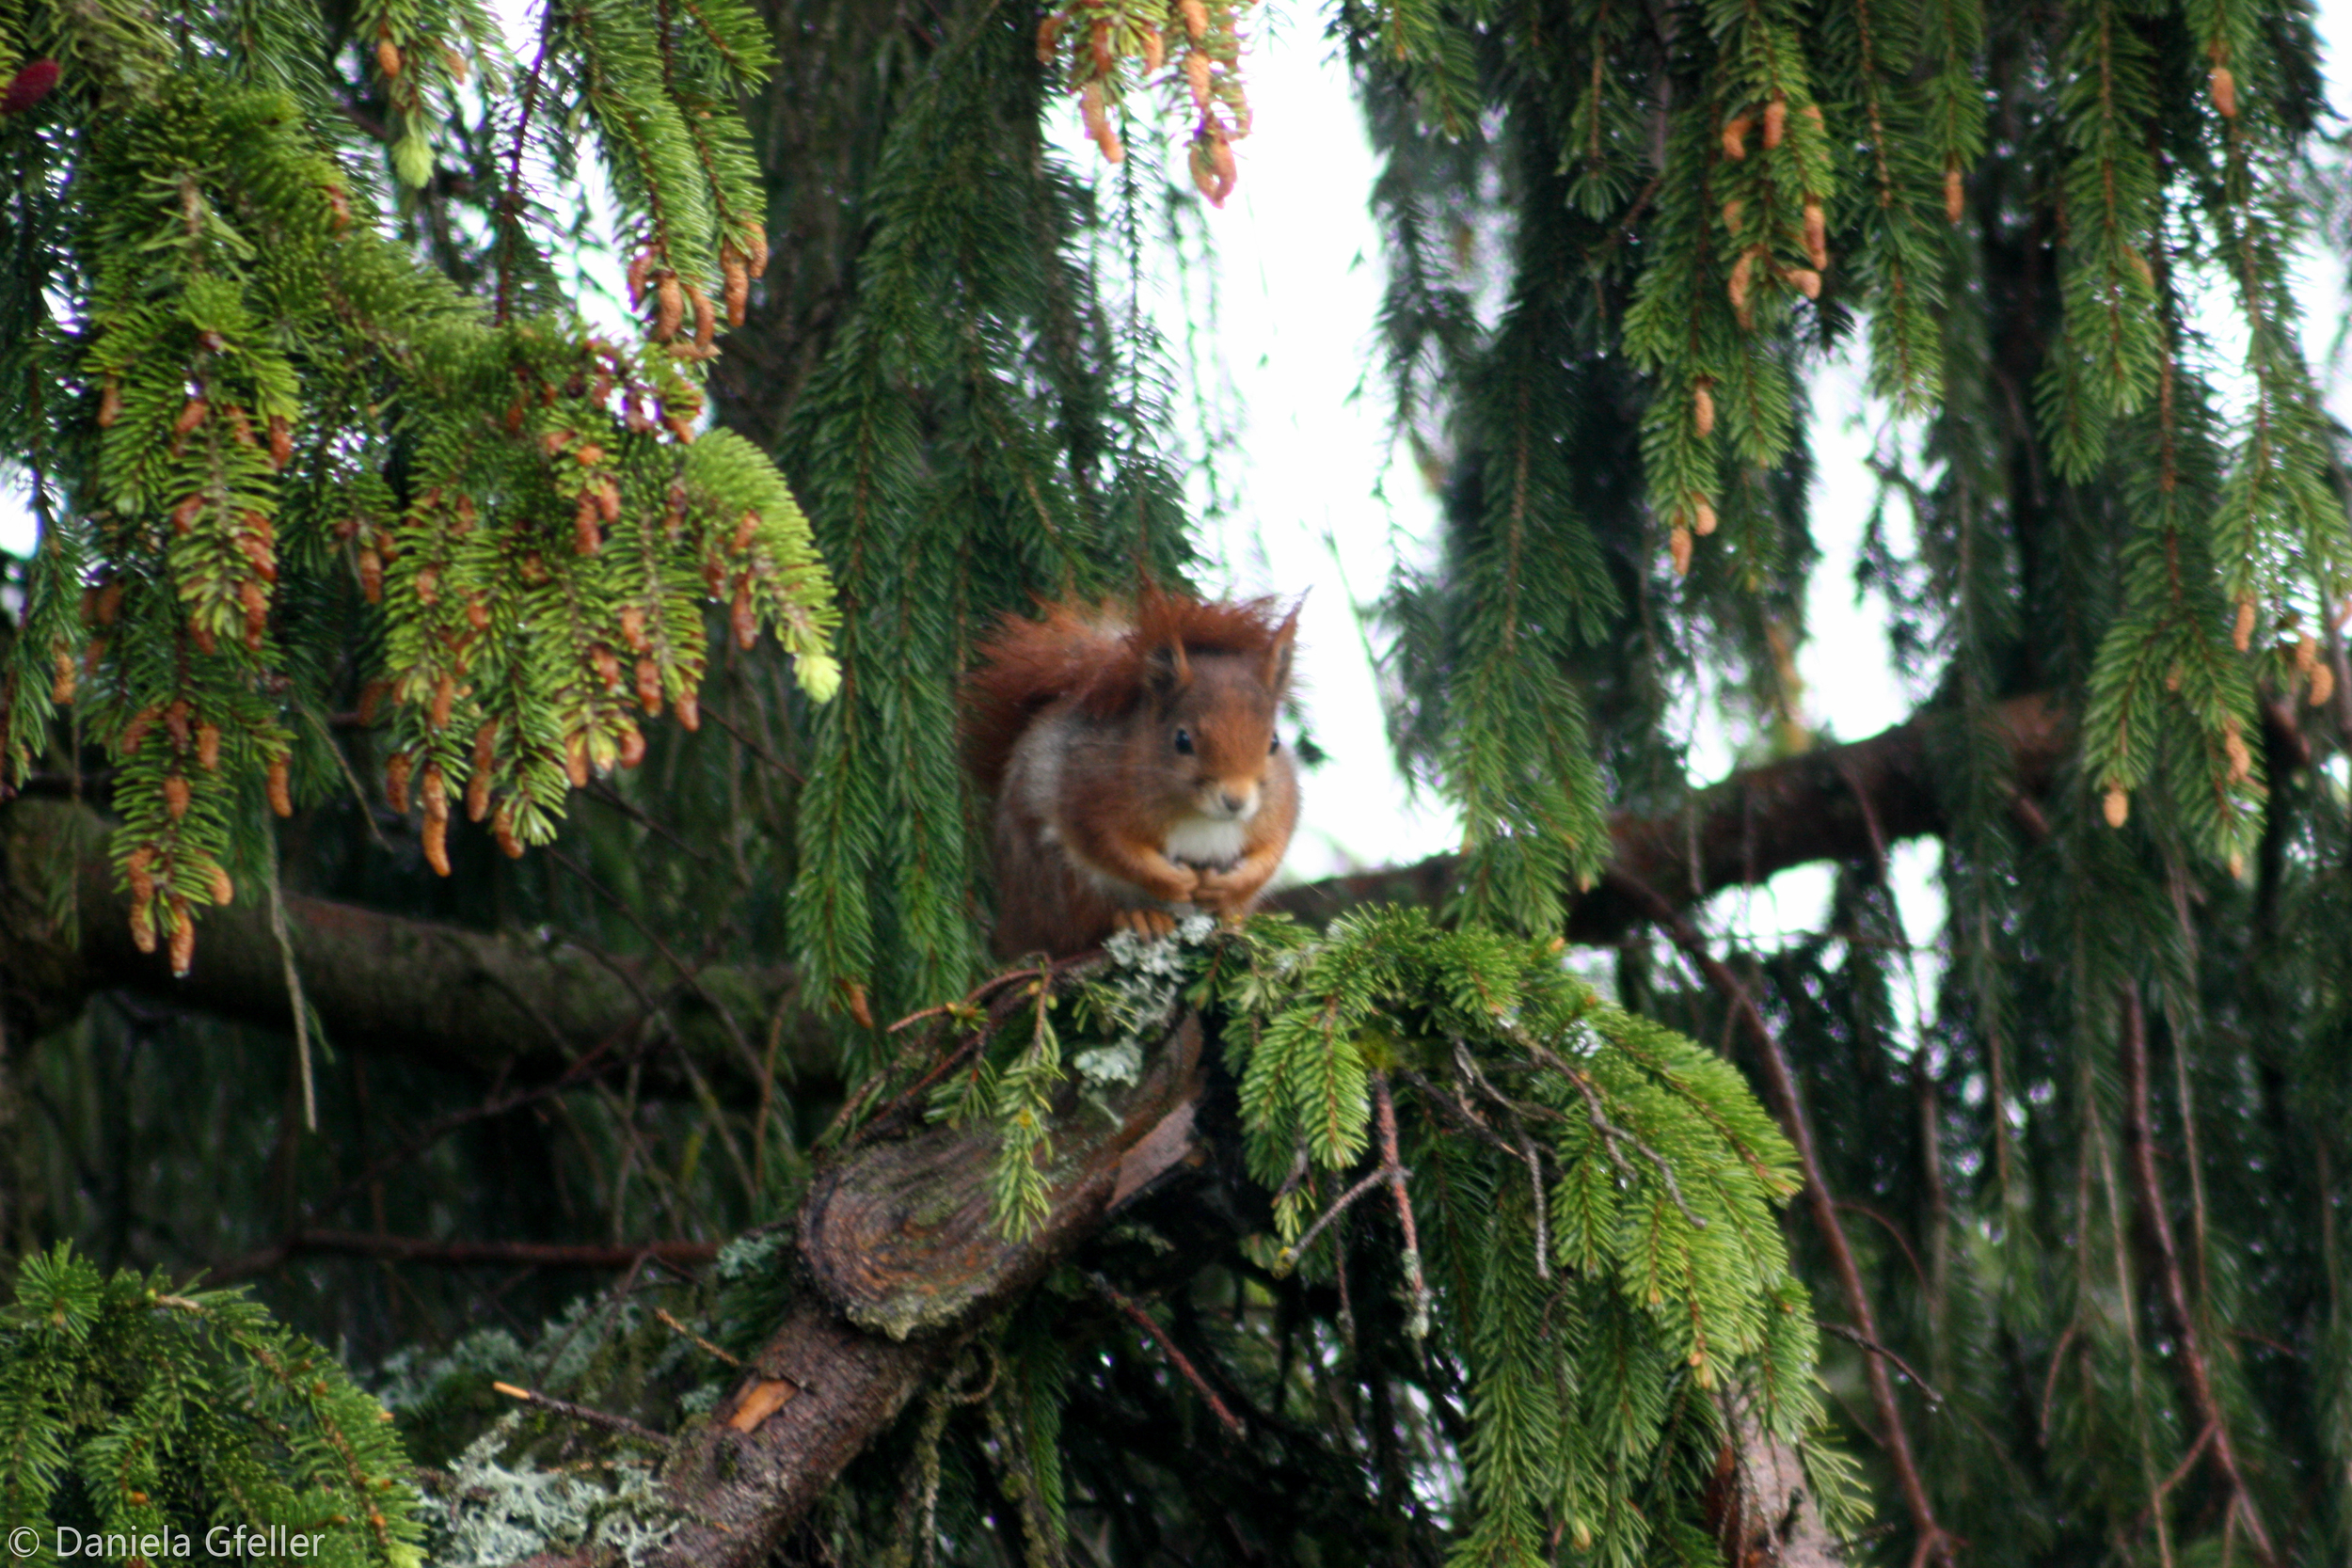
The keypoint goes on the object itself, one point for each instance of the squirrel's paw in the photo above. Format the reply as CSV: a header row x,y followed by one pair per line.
x,y
1150,924
1222,893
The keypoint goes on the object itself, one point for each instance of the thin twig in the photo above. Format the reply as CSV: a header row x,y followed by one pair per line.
x,y
1346,1199
1177,1359
296,1002
1472,1075
1461,1114
719,718
851,1123
599,1060
511,203
2180,1473
662,1317
602,790
1876,1348
1339,1276
1519,1147
1612,1134
1384,1104
1851,1207
358,791
1608,1130
2140,1153
1467,1065
2049,1386
1541,1210
971,999
569,1411
1298,1172
690,975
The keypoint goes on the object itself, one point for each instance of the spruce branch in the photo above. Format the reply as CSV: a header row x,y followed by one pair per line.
x,y
1613,1136
1933,1542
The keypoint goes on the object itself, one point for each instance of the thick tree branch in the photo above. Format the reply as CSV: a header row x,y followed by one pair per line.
x,y
901,1263
1835,803
489,1005
504,1006
463,1255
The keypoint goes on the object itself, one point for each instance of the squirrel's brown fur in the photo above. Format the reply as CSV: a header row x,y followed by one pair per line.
x,y
1133,756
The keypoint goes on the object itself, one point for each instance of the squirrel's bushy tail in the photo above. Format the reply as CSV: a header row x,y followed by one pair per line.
x,y
1027,665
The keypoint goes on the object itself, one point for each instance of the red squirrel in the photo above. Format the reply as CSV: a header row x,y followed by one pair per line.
x,y
1137,772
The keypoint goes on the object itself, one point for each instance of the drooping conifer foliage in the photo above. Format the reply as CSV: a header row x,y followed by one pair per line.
x,y
2057,240
150,1423
1431,1254
1709,203
249,414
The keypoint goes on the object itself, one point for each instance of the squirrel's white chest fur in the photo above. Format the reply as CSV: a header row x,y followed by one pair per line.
x,y
1209,842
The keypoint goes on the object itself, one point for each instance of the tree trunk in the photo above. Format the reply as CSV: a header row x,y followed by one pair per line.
x,y
1760,1505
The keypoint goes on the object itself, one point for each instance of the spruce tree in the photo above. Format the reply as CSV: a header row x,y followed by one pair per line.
x,y
1367,1233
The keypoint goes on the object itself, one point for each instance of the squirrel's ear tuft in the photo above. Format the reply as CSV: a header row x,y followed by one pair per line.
x,y
1167,671
1276,671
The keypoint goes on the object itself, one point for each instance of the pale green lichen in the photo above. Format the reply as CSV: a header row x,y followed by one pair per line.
x,y
1137,995
491,1515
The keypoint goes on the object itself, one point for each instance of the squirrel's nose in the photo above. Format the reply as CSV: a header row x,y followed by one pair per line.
x,y
1232,803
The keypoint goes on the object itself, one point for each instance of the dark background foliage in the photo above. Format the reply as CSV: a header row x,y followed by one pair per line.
x,y
2097,1202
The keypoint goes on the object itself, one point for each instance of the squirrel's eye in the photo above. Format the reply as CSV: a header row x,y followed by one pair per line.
x,y
1274,745
1184,743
